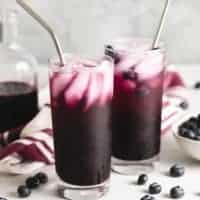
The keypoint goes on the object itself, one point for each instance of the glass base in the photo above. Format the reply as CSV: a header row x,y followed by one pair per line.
x,y
71,192
134,167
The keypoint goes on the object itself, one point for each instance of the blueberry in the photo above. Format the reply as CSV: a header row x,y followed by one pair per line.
x,y
23,191
130,75
197,137
109,51
142,179
184,105
190,134
183,125
177,171
197,85
193,119
176,192
198,121
183,131
147,197
42,177
155,188
192,125
32,182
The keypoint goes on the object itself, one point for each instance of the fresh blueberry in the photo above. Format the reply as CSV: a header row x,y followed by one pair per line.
x,y
176,192
198,121
42,177
177,171
197,137
155,188
147,197
193,119
142,179
190,134
23,191
183,131
184,105
197,85
32,183
192,125
109,51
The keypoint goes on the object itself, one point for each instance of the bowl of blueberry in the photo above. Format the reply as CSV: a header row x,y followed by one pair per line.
x,y
187,134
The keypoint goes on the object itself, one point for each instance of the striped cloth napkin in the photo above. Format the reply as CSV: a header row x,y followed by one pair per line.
x,y
31,148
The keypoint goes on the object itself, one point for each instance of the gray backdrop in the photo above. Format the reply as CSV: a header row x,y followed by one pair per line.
x,y
84,25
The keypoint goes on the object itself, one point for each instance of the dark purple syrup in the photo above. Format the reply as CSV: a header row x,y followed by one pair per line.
x,y
82,144
136,118
18,104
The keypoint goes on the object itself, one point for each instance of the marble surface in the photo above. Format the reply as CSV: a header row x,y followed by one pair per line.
x,y
123,187
83,26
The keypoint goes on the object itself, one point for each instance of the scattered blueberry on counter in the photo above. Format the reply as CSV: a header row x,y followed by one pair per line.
x,y
184,105
147,197
190,129
23,191
32,182
177,171
197,85
176,192
142,179
42,177
155,188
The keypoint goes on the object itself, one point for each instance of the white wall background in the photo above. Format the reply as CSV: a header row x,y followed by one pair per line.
x,y
84,25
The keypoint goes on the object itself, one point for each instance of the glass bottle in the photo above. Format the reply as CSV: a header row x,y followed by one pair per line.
x,y
18,78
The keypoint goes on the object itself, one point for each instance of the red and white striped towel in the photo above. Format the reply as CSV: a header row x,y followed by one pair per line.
x,y
35,142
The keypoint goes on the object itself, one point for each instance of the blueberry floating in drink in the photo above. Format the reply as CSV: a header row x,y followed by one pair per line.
x,y
176,192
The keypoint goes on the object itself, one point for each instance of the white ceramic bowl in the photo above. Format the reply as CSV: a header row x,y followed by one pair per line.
x,y
190,147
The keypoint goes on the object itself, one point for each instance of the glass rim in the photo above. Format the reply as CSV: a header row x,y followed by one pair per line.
x,y
86,62
145,41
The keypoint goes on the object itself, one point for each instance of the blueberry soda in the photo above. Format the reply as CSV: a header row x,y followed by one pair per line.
x,y
18,104
137,104
81,93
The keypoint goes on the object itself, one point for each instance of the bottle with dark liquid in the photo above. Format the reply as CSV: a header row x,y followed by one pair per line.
x,y
18,79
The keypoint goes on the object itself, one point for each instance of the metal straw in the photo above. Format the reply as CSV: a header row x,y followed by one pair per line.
x,y
161,25
45,25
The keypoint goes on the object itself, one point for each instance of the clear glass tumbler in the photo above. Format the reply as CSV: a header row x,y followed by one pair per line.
x,y
81,93
137,105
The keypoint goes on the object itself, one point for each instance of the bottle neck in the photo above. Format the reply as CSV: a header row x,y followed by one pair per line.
x,y
10,28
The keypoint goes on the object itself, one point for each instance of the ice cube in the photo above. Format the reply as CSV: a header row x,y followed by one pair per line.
x,y
77,89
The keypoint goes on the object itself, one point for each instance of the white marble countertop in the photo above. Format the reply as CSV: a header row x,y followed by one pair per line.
x,y
123,187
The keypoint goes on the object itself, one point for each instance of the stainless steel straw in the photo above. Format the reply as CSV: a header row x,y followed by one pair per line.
x,y
46,26
161,25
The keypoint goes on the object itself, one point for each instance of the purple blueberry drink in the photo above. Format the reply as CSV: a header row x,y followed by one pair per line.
x,y
81,94
137,104
18,104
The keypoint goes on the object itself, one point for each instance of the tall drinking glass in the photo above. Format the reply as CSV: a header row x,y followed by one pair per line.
x,y
137,104
81,93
